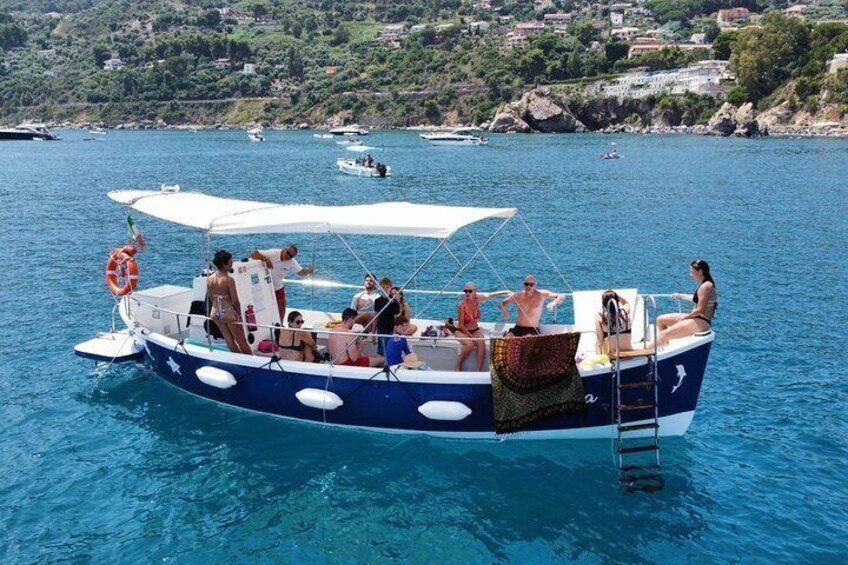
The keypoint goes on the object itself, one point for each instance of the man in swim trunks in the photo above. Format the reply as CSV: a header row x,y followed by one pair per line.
x,y
346,347
281,263
529,303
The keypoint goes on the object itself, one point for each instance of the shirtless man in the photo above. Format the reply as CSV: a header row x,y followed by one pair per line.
x,y
346,347
529,303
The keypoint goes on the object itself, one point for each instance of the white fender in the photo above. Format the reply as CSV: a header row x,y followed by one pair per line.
x,y
320,399
444,410
218,378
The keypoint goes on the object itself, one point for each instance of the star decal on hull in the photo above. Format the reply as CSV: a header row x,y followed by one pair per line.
x,y
175,367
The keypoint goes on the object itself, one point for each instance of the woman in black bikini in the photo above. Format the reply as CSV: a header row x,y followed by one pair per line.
x,y
295,345
606,339
700,319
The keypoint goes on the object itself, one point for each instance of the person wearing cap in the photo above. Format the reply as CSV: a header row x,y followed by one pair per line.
x,y
529,303
281,263
346,346
467,315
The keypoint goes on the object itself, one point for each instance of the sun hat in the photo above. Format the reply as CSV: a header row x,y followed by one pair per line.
x,y
411,362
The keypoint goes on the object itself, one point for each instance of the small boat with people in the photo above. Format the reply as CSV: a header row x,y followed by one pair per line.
x,y
610,155
226,336
362,167
28,131
347,131
255,134
458,137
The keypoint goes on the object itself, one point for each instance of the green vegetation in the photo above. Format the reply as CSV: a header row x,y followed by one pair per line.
x,y
317,59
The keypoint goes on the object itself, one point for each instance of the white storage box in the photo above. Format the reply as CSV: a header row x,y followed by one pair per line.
x,y
152,308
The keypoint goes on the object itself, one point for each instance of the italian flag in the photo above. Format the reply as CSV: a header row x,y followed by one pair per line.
x,y
134,233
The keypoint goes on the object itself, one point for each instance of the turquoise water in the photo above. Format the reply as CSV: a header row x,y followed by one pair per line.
x,y
123,468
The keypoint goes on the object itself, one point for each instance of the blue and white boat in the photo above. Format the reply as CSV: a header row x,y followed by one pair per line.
x,y
166,326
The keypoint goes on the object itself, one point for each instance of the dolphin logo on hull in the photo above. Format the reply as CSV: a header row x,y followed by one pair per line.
x,y
681,374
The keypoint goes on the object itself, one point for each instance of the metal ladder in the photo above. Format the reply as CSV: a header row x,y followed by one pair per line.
x,y
639,475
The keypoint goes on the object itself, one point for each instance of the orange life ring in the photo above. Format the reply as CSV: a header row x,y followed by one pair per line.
x,y
121,265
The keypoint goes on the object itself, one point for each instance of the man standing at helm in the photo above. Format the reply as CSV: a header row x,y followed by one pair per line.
x,y
529,303
282,263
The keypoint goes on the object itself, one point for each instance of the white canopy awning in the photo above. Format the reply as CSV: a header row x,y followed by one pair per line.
x,y
227,216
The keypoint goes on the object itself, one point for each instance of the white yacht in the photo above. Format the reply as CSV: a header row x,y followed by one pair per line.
x,y
38,132
460,136
349,130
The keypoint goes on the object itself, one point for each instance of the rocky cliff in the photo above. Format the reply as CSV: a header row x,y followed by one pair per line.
x,y
541,110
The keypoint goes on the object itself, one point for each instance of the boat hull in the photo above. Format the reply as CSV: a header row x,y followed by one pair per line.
x,y
11,135
373,400
456,142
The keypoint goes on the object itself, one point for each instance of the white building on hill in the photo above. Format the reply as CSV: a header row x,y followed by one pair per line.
x,y
705,77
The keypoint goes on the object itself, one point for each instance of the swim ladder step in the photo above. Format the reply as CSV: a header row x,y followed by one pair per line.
x,y
640,384
638,448
641,406
632,354
635,427
629,468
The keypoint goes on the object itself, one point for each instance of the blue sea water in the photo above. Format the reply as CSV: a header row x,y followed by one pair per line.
x,y
122,468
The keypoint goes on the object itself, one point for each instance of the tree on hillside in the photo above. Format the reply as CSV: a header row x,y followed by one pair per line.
x,y
723,45
765,56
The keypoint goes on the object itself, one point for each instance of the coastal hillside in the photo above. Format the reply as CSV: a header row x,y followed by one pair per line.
x,y
396,63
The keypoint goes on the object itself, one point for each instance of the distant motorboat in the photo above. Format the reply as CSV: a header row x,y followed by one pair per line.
x,y
358,169
255,134
348,130
97,131
459,137
611,155
323,135
35,132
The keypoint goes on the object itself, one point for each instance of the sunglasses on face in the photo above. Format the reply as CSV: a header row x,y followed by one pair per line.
x,y
298,322
469,290
529,284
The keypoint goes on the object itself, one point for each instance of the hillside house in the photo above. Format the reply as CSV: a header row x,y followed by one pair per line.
x,y
796,11
638,49
559,20
625,33
730,16
478,27
617,19
839,62
113,65
704,77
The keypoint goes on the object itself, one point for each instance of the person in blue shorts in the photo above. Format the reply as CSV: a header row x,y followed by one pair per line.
x,y
397,346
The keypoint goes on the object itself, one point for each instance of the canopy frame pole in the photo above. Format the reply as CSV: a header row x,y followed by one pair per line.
x,y
464,267
311,287
492,267
453,255
429,258
544,251
206,247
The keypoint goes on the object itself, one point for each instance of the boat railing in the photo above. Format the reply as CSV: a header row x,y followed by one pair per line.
x,y
182,322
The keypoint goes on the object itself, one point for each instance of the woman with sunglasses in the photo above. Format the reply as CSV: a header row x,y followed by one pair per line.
x,y
467,316
295,345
